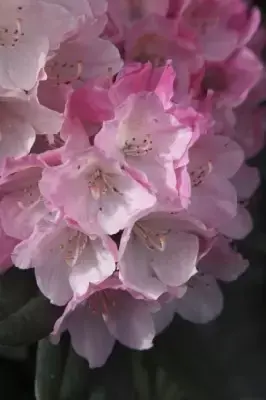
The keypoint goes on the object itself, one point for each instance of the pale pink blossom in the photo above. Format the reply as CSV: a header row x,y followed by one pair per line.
x,y
203,300
91,104
161,250
155,39
23,118
146,140
232,80
82,57
223,261
21,204
95,192
217,27
124,130
105,314
30,30
245,181
213,160
123,13
66,260
136,77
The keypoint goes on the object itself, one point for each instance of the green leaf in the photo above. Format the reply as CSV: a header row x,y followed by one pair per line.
x,y
50,367
166,388
76,381
32,322
16,289
140,377
14,353
117,377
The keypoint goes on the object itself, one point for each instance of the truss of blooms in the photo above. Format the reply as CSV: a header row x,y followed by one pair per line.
x,y
124,135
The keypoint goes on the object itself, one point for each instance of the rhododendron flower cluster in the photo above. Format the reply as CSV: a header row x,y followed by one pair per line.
x,y
124,135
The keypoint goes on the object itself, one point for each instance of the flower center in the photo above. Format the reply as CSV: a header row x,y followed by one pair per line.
x,y
74,247
136,148
30,195
198,175
100,184
149,47
152,240
63,72
10,33
215,79
102,302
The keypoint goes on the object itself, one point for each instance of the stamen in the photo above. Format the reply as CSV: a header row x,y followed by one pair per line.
x,y
63,72
152,240
74,248
100,184
30,195
149,47
102,302
198,175
134,149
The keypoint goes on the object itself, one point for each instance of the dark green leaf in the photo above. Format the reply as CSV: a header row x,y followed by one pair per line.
x,y
140,377
76,381
16,289
50,367
34,321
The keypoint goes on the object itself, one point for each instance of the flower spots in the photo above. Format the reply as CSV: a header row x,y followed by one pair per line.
x,y
135,148
64,72
198,175
11,33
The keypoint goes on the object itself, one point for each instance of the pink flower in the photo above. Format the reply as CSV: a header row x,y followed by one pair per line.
x,y
66,261
155,39
7,245
95,192
214,159
146,140
238,227
21,205
105,314
203,300
218,27
136,77
91,9
91,104
245,181
124,129
223,262
232,80
30,30
161,250
21,120
122,13
247,126
83,57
